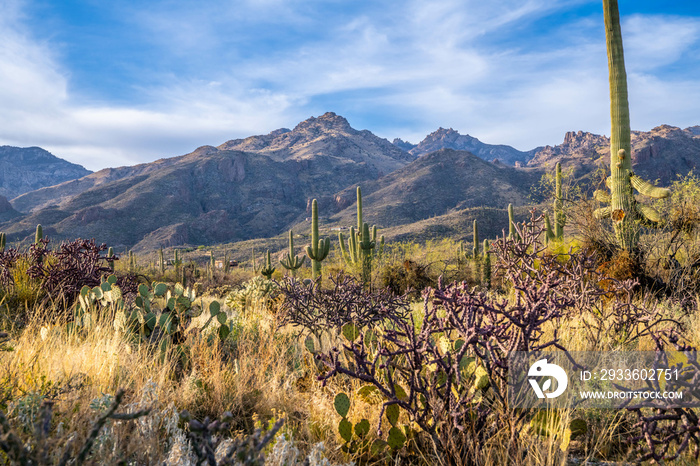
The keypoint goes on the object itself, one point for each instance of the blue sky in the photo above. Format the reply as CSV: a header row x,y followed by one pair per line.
x,y
123,82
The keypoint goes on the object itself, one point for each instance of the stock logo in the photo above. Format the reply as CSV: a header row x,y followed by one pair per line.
x,y
542,369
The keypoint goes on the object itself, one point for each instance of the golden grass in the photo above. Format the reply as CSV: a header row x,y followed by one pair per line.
x,y
261,372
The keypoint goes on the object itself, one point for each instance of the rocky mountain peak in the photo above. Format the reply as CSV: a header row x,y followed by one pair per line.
x,y
451,139
327,121
401,144
25,169
693,130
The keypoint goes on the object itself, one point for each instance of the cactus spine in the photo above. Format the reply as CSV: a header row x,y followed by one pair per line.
x,y
623,209
268,269
290,261
318,249
559,218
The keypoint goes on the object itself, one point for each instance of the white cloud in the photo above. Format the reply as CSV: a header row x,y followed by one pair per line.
x,y
407,70
653,41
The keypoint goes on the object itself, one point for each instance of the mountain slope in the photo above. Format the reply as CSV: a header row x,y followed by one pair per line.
x,y
451,139
26,169
435,184
213,194
330,135
660,154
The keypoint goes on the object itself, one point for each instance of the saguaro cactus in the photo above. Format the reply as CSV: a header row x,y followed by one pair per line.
x,y
367,245
559,218
487,265
512,232
3,240
177,262
549,233
161,261
268,269
475,252
353,255
110,254
39,234
318,249
290,261
624,211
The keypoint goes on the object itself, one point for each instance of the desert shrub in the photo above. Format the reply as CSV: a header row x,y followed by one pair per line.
x,y
52,279
440,378
319,310
258,291
665,429
407,276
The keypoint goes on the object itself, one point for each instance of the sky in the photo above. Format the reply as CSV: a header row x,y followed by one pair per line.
x,y
121,82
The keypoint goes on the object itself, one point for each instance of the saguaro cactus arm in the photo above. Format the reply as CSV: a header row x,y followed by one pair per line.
x,y
318,249
290,261
623,210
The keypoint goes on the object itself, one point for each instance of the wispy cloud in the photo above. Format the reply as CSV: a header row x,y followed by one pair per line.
x,y
513,72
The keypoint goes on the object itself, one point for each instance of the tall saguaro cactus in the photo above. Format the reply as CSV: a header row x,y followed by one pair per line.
x,y
559,219
361,243
290,261
161,261
624,210
476,257
110,258
3,239
318,249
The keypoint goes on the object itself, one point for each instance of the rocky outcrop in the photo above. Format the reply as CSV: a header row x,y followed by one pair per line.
x,y
451,139
328,135
403,145
26,169
660,154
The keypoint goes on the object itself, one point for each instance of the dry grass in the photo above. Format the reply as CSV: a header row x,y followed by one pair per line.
x,y
260,373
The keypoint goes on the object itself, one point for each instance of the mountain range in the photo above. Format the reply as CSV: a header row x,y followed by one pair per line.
x,y
263,185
